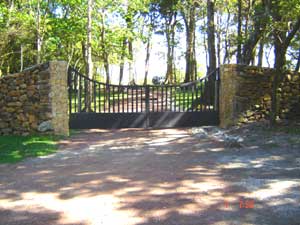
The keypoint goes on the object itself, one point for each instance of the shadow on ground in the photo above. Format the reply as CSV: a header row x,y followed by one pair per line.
x,y
145,177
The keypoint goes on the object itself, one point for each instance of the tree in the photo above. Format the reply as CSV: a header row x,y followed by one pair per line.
x,y
89,70
150,20
255,31
239,32
286,25
89,65
168,11
188,11
211,37
39,37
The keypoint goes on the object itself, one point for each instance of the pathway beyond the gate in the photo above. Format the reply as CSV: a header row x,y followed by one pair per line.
x,y
143,177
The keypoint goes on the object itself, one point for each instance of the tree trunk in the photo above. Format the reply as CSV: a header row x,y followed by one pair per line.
x,y
195,60
250,46
39,38
210,86
260,54
227,45
170,36
219,21
129,25
104,51
106,67
121,74
211,36
282,39
169,58
147,58
84,54
130,52
280,60
259,27
172,48
239,33
89,65
11,7
190,25
89,68
204,43
298,62
21,58
247,15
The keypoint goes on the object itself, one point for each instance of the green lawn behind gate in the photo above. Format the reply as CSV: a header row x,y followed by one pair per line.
x,y
183,98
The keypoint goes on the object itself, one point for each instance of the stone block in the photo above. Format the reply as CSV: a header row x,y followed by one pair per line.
x,y
45,126
14,93
14,104
3,125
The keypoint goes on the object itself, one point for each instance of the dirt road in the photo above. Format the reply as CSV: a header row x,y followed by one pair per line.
x,y
143,177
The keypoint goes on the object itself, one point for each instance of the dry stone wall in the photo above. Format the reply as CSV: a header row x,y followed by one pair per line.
x,y
245,94
35,100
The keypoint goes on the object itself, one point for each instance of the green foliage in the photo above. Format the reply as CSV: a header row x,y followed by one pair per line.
x,y
15,148
63,28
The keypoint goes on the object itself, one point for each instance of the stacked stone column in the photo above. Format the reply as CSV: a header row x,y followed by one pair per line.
x,y
35,100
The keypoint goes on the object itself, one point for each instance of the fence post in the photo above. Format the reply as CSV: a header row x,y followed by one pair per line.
x,y
217,81
147,93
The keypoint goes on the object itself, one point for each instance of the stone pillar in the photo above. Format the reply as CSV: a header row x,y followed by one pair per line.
x,y
35,100
59,97
245,94
227,94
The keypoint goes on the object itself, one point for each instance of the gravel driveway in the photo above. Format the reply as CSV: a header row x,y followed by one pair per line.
x,y
143,177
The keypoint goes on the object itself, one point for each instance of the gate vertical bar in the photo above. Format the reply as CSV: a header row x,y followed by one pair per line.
x,y
141,96
157,96
99,97
193,101
131,87
136,99
95,96
108,86
152,97
175,98
147,97
171,95
118,98
188,98
162,99
70,86
167,89
197,100
80,94
75,91
122,99
104,98
113,94
127,96
184,99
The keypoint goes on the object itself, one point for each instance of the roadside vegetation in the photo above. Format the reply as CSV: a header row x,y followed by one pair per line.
x,y
16,148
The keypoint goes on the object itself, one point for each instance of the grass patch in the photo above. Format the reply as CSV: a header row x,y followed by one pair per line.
x,y
16,148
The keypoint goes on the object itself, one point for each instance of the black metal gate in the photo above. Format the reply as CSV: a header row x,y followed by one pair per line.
x,y
93,104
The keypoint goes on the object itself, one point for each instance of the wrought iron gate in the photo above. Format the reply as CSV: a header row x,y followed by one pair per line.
x,y
93,104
